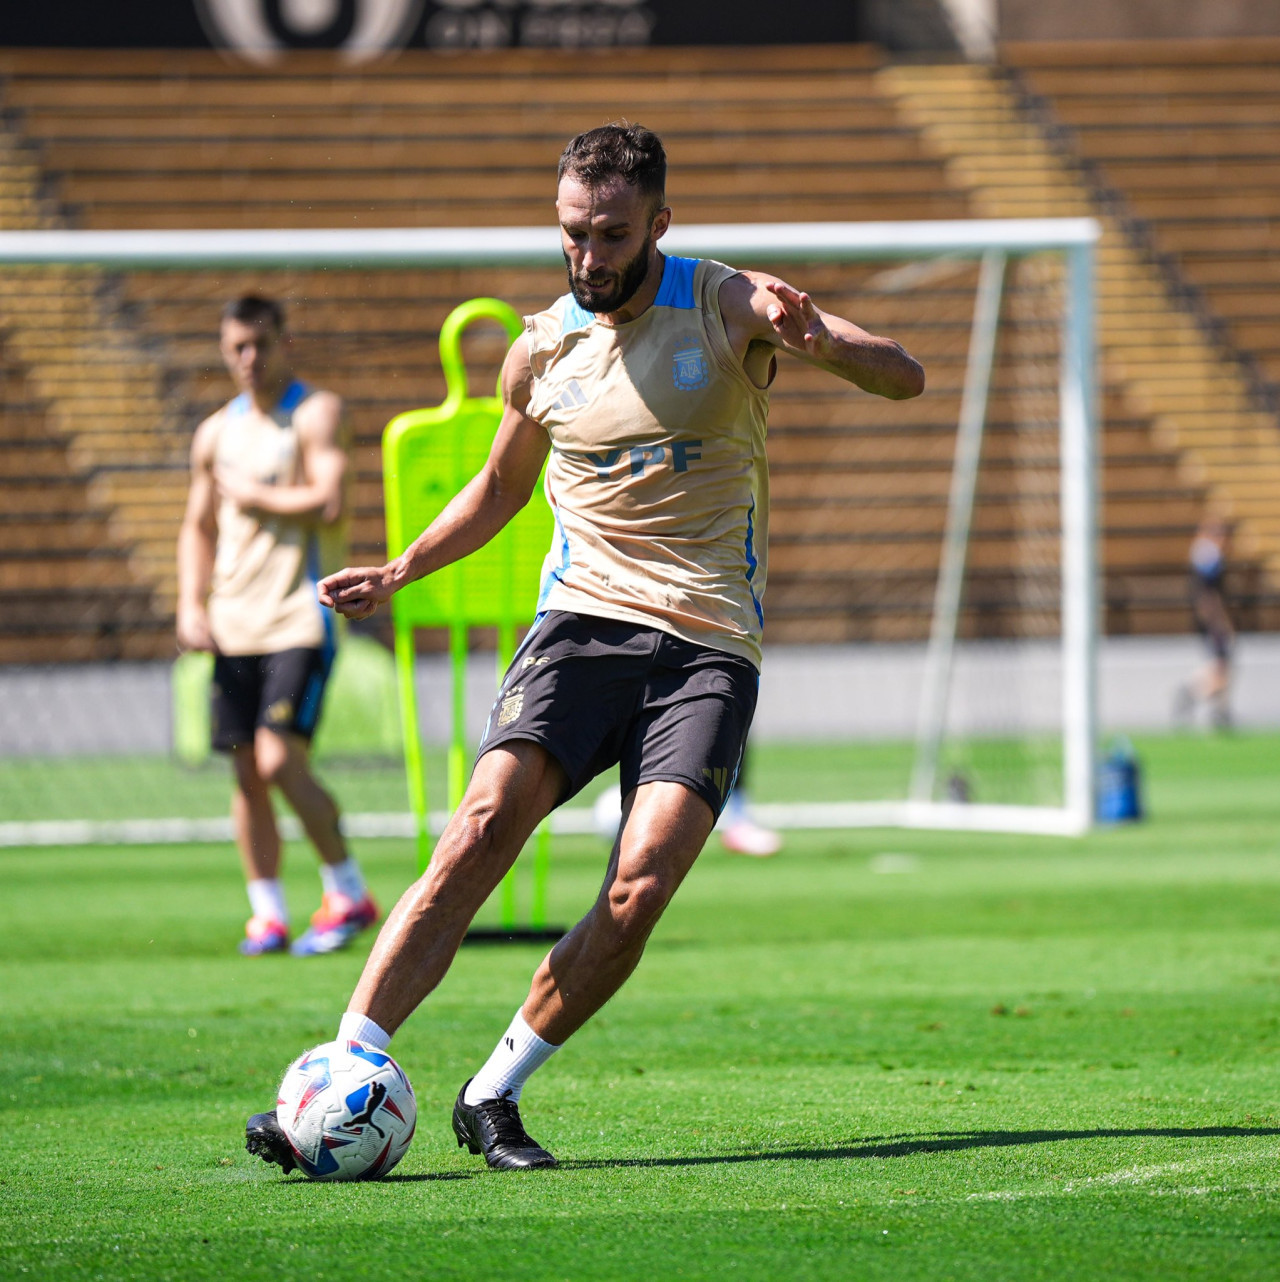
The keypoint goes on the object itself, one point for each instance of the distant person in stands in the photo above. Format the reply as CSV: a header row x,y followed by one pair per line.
x,y
264,523
1211,685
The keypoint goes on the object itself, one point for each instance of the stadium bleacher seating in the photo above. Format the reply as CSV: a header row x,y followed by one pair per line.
x,y
1160,356
1182,140
119,367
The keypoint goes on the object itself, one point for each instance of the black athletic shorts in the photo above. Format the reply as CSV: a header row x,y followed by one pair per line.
x,y
281,691
595,692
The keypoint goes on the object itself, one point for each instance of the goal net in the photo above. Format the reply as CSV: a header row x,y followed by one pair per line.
x,y
932,562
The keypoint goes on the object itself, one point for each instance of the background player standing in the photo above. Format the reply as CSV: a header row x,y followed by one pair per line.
x,y
648,384
1208,568
263,522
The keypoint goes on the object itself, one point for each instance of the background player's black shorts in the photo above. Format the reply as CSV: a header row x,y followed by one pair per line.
x,y
597,691
281,691
1207,609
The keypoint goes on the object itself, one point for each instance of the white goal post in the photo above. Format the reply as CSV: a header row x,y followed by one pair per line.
x,y
994,241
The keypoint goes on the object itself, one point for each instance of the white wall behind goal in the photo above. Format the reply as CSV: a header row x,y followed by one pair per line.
x,y
823,692
871,692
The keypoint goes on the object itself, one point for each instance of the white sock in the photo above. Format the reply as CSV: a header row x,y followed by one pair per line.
x,y
354,1027
517,1054
266,899
343,879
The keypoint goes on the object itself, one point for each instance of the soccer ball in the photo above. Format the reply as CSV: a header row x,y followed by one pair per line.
x,y
347,1110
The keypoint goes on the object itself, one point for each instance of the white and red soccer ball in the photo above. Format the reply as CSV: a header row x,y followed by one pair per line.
x,y
347,1110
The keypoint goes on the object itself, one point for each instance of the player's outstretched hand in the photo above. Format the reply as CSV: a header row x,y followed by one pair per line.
x,y
357,592
798,322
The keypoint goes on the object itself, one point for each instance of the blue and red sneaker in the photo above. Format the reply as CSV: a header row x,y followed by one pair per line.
x,y
335,924
262,935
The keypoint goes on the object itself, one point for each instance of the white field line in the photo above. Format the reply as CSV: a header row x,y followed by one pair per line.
x,y
151,832
1137,1177
835,815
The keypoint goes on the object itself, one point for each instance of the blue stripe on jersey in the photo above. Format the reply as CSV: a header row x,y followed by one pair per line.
x,y
676,289
294,395
752,563
290,399
575,316
557,572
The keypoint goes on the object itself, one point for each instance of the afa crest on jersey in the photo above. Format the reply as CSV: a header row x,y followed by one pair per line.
x,y
689,369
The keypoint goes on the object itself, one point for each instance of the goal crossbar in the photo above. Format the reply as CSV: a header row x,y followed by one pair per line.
x,y
833,242
532,246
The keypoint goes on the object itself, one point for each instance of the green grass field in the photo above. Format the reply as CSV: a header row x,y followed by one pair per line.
x,y
879,1055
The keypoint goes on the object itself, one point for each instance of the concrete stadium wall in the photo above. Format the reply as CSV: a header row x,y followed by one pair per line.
x,y
825,692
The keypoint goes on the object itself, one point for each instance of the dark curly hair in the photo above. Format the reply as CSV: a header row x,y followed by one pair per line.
x,y
253,309
620,150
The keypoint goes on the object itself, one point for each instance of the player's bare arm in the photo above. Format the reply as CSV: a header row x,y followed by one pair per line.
x,y
197,542
763,314
324,463
475,514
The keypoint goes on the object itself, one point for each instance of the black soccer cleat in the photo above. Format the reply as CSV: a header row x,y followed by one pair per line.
x,y
493,1127
264,1138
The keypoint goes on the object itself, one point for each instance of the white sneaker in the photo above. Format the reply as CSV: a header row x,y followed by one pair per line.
x,y
748,838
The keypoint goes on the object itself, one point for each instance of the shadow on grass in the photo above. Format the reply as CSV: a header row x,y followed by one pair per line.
x,y
877,1146
399,1177
939,1142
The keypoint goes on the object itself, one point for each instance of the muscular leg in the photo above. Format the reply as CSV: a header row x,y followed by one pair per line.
x,y
512,789
283,760
664,828
257,837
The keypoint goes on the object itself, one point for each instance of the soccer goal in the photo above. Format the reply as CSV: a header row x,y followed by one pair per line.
x,y
941,550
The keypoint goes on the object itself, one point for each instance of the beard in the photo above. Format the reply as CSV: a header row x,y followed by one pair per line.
x,y
615,290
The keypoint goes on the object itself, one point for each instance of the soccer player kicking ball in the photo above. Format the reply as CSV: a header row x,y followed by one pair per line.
x,y
648,384
263,512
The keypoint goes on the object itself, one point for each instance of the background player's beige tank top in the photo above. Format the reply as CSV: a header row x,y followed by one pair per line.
x,y
266,568
657,475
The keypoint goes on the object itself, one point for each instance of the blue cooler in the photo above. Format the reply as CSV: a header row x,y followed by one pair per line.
x,y
1119,785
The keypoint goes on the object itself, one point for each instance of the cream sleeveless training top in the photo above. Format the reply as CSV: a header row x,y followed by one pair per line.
x,y
263,597
657,474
